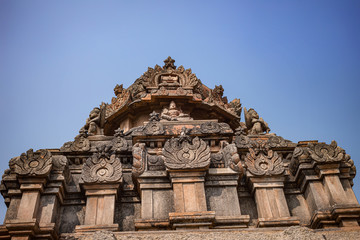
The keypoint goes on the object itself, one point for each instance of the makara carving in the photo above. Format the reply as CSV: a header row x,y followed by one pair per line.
x,y
102,167
32,163
182,153
255,124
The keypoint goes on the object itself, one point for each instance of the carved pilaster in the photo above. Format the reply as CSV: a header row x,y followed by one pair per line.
x,y
31,169
318,169
102,176
189,193
265,174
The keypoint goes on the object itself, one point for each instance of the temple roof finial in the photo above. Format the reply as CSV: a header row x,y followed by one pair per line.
x,y
169,63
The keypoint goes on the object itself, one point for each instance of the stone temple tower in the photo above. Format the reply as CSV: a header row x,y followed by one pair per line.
x,y
170,154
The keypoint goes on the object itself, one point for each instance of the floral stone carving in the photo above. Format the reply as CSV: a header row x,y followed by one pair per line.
x,y
32,163
154,127
323,152
119,142
102,167
261,161
182,153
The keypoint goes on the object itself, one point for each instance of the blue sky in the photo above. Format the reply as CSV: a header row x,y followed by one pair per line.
x,y
296,62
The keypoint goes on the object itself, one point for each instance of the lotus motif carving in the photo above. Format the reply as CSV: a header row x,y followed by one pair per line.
x,y
181,153
32,163
102,167
323,152
262,164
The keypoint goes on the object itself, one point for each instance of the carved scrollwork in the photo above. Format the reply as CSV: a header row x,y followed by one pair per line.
x,y
323,152
139,154
119,142
80,144
277,141
210,127
181,153
260,162
32,163
102,167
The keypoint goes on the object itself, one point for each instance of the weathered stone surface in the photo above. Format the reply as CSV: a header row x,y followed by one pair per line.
x,y
169,153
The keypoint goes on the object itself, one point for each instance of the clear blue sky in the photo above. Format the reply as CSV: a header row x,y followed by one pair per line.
x,y
296,62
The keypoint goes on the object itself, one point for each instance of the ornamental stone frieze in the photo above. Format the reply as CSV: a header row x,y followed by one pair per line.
x,y
184,153
169,153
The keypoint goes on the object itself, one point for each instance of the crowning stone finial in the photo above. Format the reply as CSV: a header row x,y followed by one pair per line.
x,y
169,63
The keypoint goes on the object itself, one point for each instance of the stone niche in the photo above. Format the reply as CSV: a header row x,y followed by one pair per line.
x,y
168,153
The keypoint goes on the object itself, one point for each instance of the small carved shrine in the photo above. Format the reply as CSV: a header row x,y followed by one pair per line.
x,y
169,153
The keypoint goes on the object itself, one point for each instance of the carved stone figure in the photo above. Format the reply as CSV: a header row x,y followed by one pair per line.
x,y
210,127
102,167
32,164
260,161
235,106
138,152
174,113
231,156
255,124
119,142
154,127
95,121
181,153
81,143
216,96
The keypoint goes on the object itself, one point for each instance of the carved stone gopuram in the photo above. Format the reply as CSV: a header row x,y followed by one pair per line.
x,y
168,153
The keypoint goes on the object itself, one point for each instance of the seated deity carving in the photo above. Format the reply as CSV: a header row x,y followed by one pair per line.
x,y
174,113
254,124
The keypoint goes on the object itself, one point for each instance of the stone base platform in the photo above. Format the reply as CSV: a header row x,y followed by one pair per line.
x,y
290,233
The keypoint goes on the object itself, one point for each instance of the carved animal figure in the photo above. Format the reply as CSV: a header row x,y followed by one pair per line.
x,y
255,124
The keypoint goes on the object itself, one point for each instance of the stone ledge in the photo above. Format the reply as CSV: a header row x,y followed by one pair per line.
x,y
291,233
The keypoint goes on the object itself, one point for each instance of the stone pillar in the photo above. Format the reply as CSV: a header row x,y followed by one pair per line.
x,y
31,170
102,176
156,200
221,188
190,200
265,176
187,162
318,169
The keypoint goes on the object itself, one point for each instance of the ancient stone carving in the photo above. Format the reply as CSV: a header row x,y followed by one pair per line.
x,y
216,96
255,124
174,113
139,154
138,89
59,163
154,127
235,106
241,140
182,153
32,163
169,63
261,161
277,141
80,144
210,127
217,160
155,162
119,142
122,97
102,167
95,121
231,157
323,152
